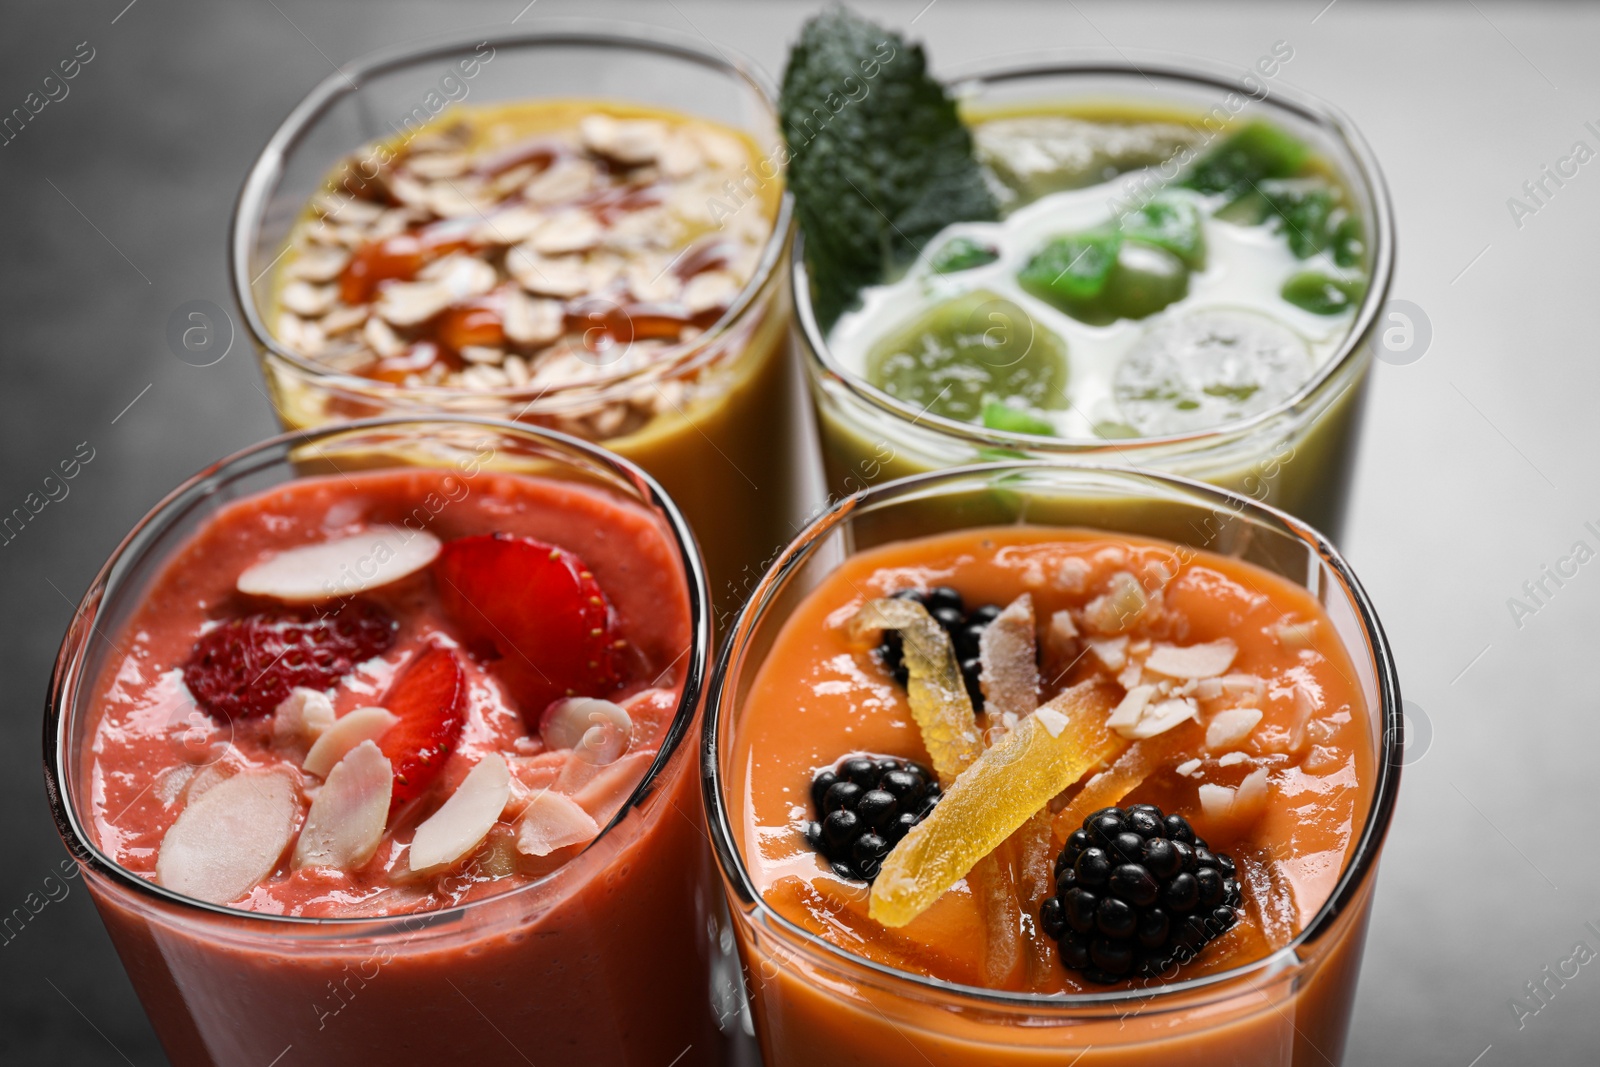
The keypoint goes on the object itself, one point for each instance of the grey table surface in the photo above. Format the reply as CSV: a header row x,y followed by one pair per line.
x,y
1477,468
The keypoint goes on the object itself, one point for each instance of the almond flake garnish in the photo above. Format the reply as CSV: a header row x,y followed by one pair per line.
x,y
229,838
1112,651
362,724
1236,807
552,821
1192,661
463,821
348,814
1159,718
1228,728
301,716
374,557
1187,767
597,731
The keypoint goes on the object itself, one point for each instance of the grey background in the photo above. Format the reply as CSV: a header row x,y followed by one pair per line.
x,y
1477,467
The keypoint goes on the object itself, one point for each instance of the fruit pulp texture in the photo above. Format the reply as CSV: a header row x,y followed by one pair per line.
x,y
1109,388
818,697
601,959
724,449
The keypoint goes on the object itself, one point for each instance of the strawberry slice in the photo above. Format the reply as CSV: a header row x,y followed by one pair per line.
x,y
537,612
247,666
430,698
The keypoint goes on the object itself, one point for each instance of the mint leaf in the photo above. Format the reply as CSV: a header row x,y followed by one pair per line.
x,y
879,161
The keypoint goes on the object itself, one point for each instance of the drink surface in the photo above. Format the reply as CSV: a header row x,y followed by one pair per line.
x,y
1150,275
1251,726
511,792
535,245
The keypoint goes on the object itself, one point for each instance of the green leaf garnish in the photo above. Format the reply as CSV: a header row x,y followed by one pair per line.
x,y
961,253
879,161
998,415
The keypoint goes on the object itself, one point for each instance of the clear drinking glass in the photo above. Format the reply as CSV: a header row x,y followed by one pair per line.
x,y
1297,456
815,1003
721,437
605,960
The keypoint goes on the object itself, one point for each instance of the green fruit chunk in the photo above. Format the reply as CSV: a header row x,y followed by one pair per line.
x,y
1208,368
1069,271
1322,294
1256,152
998,415
1172,224
1145,280
1307,212
956,358
1350,243
961,253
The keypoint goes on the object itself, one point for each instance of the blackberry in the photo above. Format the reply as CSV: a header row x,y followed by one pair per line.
x,y
864,806
964,627
1136,893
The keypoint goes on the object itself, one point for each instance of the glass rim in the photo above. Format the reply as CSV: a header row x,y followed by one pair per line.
x,y
1164,67
1354,873
250,206
66,678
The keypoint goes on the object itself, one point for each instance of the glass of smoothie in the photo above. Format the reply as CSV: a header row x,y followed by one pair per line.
x,y
581,227
1027,764
1185,272
371,743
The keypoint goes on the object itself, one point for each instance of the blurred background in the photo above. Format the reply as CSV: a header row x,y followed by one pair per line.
x,y
1476,473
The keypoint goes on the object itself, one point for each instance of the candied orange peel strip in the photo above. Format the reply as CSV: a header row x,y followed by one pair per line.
x,y
1048,751
938,697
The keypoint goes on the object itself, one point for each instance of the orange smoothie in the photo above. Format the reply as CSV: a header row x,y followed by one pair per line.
x,y
383,733
1209,703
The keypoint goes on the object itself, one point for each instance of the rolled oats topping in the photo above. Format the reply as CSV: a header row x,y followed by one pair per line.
x,y
527,246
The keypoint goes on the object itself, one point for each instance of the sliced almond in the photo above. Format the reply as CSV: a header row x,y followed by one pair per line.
x,y
342,567
482,354
348,814
1131,709
563,181
680,156
306,299
531,321
463,821
229,838
710,289
381,338
465,276
543,275
411,303
552,821
302,716
1159,718
362,724
630,141
1231,758
597,731
342,320
604,794
317,263
1187,767
569,231
435,165
1228,728
1240,689
1113,652
1192,661
511,225
1120,608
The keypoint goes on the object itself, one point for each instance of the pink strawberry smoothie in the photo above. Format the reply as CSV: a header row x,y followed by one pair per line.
x,y
547,968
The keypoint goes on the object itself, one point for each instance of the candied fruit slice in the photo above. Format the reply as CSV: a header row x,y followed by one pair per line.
x,y
934,687
1047,752
1008,654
